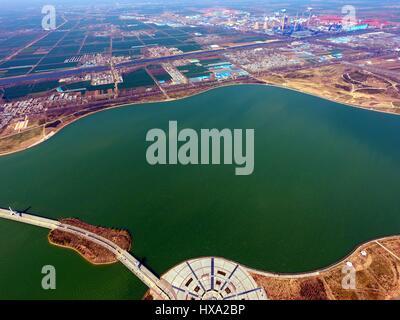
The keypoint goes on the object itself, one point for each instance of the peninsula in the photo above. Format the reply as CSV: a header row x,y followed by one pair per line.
x,y
376,266
91,251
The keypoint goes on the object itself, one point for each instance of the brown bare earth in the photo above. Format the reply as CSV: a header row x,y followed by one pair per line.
x,y
91,251
377,277
21,140
344,84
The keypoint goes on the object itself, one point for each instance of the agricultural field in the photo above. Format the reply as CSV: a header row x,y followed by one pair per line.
x,y
193,70
159,73
40,51
84,86
28,89
91,40
135,79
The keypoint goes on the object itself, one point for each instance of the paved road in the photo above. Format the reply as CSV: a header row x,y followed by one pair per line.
x,y
67,73
160,287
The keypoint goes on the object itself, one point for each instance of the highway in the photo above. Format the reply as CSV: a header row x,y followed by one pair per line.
x,y
193,54
160,287
80,70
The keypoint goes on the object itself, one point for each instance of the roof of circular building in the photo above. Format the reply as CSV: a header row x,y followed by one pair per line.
x,y
213,278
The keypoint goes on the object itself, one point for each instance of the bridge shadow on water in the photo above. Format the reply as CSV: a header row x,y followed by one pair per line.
x,y
144,262
26,210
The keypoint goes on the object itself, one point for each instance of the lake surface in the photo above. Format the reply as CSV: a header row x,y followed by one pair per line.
x,y
326,178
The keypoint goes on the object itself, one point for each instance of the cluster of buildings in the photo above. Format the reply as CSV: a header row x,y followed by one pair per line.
x,y
160,51
73,59
24,107
297,24
176,76
18,109
94,60
373,40
5,119
261,59
221,71
89,60
241,20
33,106
96,79
107,77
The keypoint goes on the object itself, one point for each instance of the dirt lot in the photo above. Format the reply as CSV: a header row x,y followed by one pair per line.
x,y
21,140
343,84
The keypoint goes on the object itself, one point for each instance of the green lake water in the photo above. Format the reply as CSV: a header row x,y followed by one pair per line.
x,y
326,178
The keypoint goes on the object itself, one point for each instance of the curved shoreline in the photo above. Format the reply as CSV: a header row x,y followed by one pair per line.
x,y
298,274
114,106
273,282
322,269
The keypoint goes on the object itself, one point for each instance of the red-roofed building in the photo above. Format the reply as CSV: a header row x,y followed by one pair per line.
x,y
328,19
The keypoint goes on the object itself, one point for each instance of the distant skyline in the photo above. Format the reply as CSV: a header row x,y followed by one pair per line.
x,y
31,3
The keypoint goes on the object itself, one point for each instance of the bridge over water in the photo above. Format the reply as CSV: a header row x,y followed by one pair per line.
x,y
159,286
206,278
